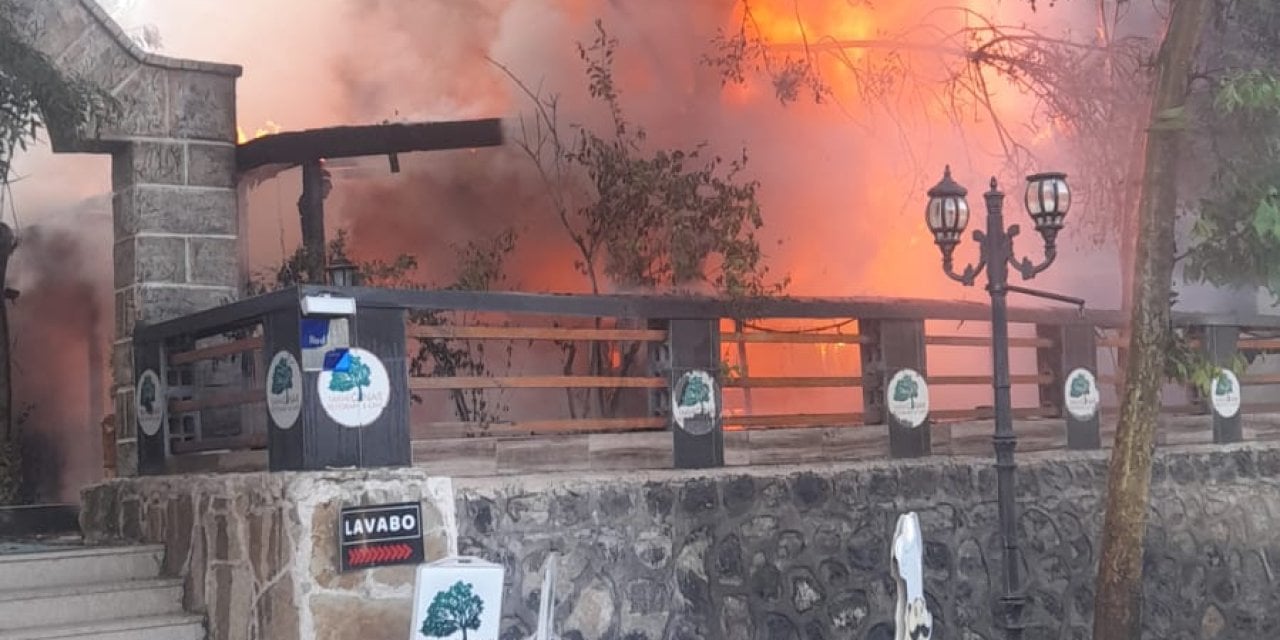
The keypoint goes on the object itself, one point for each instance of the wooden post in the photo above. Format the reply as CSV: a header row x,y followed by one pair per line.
x,y
696,400
1219,344
900,345
317,439
150,408
315,188
1074,353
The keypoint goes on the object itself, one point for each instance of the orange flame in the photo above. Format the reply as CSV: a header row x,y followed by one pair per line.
x,y
268,129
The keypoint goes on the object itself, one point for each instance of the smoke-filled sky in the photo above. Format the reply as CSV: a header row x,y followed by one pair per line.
x,y
842,186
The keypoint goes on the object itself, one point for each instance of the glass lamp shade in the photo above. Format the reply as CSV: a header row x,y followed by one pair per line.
x,y
1048,200
342,273
948,212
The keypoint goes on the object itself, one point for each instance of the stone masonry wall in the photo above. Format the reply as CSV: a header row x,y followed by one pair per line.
x,y
173,175
259,551
802,553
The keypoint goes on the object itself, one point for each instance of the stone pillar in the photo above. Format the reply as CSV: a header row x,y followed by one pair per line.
x,y
173,175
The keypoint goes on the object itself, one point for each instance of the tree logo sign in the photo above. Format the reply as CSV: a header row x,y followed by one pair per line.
x,y
284,390
1225,396
355,390
455,610
693,405
908,398
1080,396
149,402
458,598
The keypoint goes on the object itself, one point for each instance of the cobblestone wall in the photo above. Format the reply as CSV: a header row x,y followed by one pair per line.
x,y
802,554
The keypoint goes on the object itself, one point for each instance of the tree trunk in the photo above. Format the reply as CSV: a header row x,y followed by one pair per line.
x,y
1117,605
10,446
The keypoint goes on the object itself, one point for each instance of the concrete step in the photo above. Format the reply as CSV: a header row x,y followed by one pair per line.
x,y
174,627
83,565
89,603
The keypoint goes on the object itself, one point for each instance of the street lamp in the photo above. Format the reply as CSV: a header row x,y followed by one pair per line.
x,y
342,273
1047,199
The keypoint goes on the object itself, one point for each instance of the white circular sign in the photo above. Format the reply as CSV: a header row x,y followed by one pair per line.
x,y
693,405
284,390
149,402
356,390
1080,394
908,398
1225,394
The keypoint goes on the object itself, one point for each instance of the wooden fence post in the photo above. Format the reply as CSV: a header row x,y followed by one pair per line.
x,y
696,399
148,414
899,345
1074,392
1219,344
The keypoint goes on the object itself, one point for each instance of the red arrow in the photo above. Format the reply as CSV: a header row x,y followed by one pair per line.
x,y
378,554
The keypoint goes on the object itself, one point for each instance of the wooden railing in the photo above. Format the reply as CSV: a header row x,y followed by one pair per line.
x,y
489,368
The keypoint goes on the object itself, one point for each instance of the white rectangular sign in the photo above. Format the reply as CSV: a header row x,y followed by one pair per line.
x,y
457,598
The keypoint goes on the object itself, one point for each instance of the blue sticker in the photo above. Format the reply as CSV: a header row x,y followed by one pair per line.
x,y
315,332
337,360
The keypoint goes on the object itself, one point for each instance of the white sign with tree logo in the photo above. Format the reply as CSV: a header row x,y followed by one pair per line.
x,y
1225,392
908,398
284,390
1081,395
693,405
149,402
356,390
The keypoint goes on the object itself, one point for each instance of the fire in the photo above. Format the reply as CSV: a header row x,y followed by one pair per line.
x,y
268,129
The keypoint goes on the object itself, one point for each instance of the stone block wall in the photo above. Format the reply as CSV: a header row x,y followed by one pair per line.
x,y
173,149
765,553
259,551
802,553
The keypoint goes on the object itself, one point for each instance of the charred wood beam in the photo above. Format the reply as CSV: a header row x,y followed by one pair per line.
x,y
301,147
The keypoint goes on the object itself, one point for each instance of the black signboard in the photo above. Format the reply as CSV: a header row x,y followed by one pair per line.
x,y
380,536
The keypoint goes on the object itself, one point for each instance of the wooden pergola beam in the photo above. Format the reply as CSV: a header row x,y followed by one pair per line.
x,y
301,147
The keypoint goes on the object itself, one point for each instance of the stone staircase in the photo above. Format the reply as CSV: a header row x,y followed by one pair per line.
x,y
103,593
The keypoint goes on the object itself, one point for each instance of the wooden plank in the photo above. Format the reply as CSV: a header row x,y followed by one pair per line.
x,y
457,456
1259,344
216,351
692,307
297,147
217,462
786,446
535,333
803,382
616,451
794,420
534,427
979,341
246,441
1260,379
1043,378
537,382
783,337
559,453
218,399
987,413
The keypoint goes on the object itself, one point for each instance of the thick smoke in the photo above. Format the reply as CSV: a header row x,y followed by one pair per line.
x,y
61,328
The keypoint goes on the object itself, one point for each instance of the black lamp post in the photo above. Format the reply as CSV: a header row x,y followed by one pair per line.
x,y
1047,200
